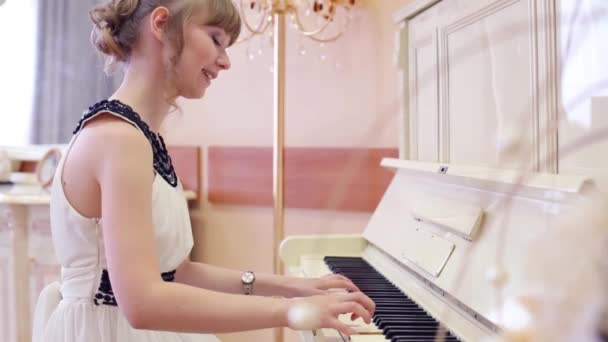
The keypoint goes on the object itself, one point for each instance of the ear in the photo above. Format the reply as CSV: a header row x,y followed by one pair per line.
x,y
159,19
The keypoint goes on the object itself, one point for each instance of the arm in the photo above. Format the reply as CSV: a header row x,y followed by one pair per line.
x,y
227,280
124,174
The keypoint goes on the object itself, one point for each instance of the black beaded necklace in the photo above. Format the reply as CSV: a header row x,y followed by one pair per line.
x,y
162,160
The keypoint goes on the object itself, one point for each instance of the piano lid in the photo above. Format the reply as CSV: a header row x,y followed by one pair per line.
x,y
447,222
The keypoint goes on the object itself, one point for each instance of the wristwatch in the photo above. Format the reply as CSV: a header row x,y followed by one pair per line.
x,y
248,278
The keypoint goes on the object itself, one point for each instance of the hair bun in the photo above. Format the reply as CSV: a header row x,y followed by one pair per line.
x,y
108,19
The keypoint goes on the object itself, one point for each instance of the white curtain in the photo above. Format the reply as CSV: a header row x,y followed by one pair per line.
x,y
69,73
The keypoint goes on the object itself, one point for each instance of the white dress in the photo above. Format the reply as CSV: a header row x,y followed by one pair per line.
x,y
73,309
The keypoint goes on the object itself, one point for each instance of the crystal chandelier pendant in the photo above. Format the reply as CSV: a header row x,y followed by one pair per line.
x,y
318,20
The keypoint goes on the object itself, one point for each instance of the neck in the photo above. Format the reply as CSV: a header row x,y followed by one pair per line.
x,y
144,89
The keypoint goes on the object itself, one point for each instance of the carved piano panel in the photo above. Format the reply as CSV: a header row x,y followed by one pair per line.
x,y
486,83
423,82
481,76
496,82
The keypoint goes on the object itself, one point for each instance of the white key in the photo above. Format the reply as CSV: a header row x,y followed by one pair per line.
x,y
313,266
332,335
368,338
359,325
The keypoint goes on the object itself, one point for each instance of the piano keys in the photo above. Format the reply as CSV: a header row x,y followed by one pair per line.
x,y
397,317
429,246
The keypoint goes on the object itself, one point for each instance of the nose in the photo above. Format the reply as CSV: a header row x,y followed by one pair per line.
x,y
223,61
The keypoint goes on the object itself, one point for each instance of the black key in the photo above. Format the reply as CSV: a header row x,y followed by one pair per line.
x,y
400,318
402,333
407,323
422,339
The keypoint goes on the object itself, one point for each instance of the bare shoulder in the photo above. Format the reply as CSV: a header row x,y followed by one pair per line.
x,y
110,139
107,150
110,132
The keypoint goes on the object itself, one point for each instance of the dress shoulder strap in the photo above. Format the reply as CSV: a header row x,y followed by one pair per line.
x,y
162,161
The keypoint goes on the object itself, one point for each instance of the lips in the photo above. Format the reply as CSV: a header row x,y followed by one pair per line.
x,y
208,74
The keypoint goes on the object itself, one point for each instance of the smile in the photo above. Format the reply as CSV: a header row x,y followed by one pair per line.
x,y
209,75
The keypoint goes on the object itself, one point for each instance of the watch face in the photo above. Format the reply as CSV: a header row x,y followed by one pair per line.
x,y
247,278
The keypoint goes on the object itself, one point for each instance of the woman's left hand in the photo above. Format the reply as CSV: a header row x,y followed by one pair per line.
x,y
304,287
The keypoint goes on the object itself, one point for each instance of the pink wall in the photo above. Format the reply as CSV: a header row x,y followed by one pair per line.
x,y
355,104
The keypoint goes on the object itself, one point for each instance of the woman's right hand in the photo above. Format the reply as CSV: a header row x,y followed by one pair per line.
x,y
325,310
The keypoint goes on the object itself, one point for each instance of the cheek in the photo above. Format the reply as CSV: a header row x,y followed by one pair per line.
x,y
202,46
193,59
205,53
188,63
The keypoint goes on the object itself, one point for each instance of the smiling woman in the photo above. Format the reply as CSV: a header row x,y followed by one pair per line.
x,y
17,70
120,223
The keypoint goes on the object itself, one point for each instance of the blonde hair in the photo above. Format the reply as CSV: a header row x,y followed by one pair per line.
x,y
117,23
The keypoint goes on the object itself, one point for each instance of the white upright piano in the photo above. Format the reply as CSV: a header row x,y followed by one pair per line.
x,y
435,238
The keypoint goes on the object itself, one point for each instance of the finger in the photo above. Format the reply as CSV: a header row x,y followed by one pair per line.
x,y
353,317
360,298
339,277
364,300
351,286
355,308
316,292
341,284
341,327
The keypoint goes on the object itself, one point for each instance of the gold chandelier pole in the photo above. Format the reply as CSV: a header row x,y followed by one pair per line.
x,y
276,11
278,160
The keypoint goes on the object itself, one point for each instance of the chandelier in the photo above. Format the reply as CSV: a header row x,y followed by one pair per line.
x,y
320,20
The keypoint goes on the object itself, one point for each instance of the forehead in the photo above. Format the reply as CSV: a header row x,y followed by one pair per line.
x,y
219,14
205,20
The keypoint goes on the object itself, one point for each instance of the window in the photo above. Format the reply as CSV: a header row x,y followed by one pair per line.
x,y
17,69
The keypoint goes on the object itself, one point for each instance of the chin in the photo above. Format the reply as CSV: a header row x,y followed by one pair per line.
x,y
194,94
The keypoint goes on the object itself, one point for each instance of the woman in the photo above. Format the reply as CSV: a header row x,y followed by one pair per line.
x,y
119,219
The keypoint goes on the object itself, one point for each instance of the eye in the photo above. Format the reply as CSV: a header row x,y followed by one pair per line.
x,y
216,41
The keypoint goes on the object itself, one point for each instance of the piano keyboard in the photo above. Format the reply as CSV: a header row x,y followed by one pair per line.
x,y
397,317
